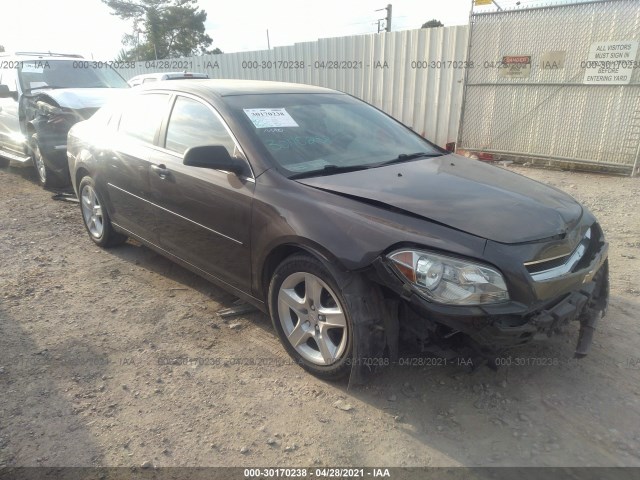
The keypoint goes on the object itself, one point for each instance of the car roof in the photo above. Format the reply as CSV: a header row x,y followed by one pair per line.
x,y
225,88
161,74
26,56
147,75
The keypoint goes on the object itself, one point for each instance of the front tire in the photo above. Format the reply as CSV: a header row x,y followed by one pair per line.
x,y
310,317
95,217
47,178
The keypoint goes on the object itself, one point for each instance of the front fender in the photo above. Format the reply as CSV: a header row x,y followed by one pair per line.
x,y
347,233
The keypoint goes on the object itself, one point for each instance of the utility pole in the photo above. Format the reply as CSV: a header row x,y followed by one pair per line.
x,y
387,20
268,42
388,25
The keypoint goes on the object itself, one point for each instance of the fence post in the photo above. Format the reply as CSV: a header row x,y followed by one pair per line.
x,y
466,77
634,170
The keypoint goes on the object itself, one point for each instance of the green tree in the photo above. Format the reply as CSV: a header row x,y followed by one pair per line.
x,y
432,24
162,29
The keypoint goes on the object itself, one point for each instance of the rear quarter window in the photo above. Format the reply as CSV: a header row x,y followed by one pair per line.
x,y
142,116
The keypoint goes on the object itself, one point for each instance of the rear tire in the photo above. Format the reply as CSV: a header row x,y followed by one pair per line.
x,y
47,178
311,318
95,217
4,162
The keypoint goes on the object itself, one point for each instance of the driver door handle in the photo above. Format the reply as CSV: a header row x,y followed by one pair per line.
x,y
161,170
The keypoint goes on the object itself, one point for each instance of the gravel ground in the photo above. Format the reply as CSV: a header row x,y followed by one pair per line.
x,y
85,336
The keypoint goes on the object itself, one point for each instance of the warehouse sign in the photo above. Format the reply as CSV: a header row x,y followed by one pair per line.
x,y
610,63
516,66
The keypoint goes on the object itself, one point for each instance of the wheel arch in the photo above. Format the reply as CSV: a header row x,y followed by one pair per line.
x,y
30,130
34,126
81,164
279,252
375,323
80,173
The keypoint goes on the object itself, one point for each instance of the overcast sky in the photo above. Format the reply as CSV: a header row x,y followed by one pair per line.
x,y
88,28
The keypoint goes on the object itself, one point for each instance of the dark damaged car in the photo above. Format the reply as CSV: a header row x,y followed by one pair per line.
x,y
351,231
41,96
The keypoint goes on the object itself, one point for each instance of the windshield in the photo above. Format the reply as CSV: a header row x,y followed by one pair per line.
x,y
68,74
326,133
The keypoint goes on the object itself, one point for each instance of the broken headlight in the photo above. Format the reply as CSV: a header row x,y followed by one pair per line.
x,y
449,280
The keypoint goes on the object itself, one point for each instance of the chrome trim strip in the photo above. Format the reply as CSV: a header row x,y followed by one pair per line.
x,y
535,262
60,147
176,214
567,266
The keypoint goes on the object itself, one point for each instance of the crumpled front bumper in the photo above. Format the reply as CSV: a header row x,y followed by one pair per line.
x,y
586,305
492,328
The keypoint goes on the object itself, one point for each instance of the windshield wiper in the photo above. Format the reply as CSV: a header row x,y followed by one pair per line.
x,y
329,170
405,157
333,169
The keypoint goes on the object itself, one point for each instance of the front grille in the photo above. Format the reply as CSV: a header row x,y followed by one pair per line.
x,y
580,257
549,264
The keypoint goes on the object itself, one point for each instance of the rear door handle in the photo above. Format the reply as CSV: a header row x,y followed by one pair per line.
x,y
161,170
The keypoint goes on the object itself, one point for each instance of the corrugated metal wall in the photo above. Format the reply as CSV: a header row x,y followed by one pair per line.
x,y
414,75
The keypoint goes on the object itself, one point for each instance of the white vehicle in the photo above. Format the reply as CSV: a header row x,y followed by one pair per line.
x,y
155,77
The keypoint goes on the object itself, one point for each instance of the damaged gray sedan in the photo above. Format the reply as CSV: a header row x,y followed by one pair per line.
x,y
351,231
41,96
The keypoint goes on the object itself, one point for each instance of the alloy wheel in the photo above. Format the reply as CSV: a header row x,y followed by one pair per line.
x,y
312,318
92,211
40,166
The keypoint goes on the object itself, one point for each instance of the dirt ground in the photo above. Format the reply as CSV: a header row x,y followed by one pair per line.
x,y
93,370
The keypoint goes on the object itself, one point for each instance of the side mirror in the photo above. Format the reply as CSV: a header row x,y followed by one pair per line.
x,y
213,156
5,92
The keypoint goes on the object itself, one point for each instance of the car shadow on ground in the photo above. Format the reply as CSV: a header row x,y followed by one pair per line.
x,y
135,253
28,173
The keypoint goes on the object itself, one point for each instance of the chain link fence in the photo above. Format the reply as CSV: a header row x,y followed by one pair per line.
x,y
559,83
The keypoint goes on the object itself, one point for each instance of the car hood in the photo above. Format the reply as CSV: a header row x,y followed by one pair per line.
x,y
80,98
468,195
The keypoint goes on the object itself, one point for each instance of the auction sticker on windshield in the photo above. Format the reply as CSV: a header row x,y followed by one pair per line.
x,y
270,117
